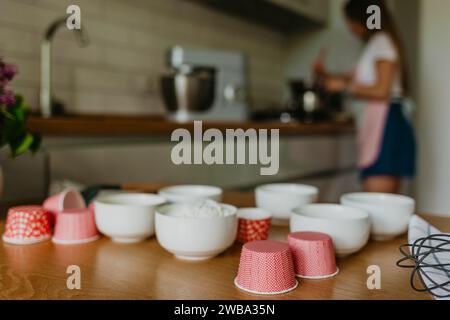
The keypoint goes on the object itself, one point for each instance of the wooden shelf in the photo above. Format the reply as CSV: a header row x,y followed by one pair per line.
x,y
141,126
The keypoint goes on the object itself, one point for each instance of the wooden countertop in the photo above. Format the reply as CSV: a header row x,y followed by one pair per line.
x,y
138,126
146,271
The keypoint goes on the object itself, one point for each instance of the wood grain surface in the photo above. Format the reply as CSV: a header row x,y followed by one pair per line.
x,y
145,271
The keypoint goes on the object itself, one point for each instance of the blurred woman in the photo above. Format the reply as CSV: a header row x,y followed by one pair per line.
x,y
385,139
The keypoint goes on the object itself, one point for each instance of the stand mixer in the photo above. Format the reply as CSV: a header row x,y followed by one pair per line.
x,y
205,85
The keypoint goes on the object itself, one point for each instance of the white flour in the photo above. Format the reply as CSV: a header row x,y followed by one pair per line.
x,y
202,209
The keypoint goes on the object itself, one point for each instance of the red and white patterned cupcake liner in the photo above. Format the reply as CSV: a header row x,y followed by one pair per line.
x,y
27,225
313,255
253,224
266,268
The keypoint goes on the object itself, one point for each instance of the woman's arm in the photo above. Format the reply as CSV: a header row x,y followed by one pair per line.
x,y
382,89
319,70
336,83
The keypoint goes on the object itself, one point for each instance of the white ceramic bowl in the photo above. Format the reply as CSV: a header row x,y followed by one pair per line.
x,y
254,214
348,227
127,217
281,198
190,193
390,213
195,238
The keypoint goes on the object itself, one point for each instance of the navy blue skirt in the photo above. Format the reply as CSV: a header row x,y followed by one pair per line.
x,y
398,151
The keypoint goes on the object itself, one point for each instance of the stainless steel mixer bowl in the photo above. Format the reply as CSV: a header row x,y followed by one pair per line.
x,y
192,92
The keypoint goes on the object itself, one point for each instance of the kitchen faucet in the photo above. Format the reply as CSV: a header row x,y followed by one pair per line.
x,y
46,101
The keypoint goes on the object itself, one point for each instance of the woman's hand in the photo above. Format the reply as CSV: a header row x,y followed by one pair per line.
x,y
332,83
335,84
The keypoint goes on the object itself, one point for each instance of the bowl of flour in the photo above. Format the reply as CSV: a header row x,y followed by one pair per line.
x,y
196,231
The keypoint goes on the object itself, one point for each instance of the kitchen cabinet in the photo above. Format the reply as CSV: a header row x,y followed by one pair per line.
x,y
281,15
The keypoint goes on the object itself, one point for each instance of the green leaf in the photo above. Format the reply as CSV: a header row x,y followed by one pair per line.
x,y
13,130
19,100
37,141
19,147
19,114
7,114
19,110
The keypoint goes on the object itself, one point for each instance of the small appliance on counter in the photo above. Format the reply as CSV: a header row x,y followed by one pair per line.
x,y
309,102
312,103
205,85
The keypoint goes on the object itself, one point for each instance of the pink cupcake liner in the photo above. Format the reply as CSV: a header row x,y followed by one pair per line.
x,y
63,201
313,255
266,267
264,293
75,226
27,225
81,241
16,241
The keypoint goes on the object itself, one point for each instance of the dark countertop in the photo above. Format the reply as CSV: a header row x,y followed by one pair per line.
x,y
104,125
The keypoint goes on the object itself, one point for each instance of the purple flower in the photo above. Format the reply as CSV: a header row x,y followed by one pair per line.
x,y
3,83
9,71
7,98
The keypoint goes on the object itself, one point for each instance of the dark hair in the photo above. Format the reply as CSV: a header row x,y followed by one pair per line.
x,y
356,11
